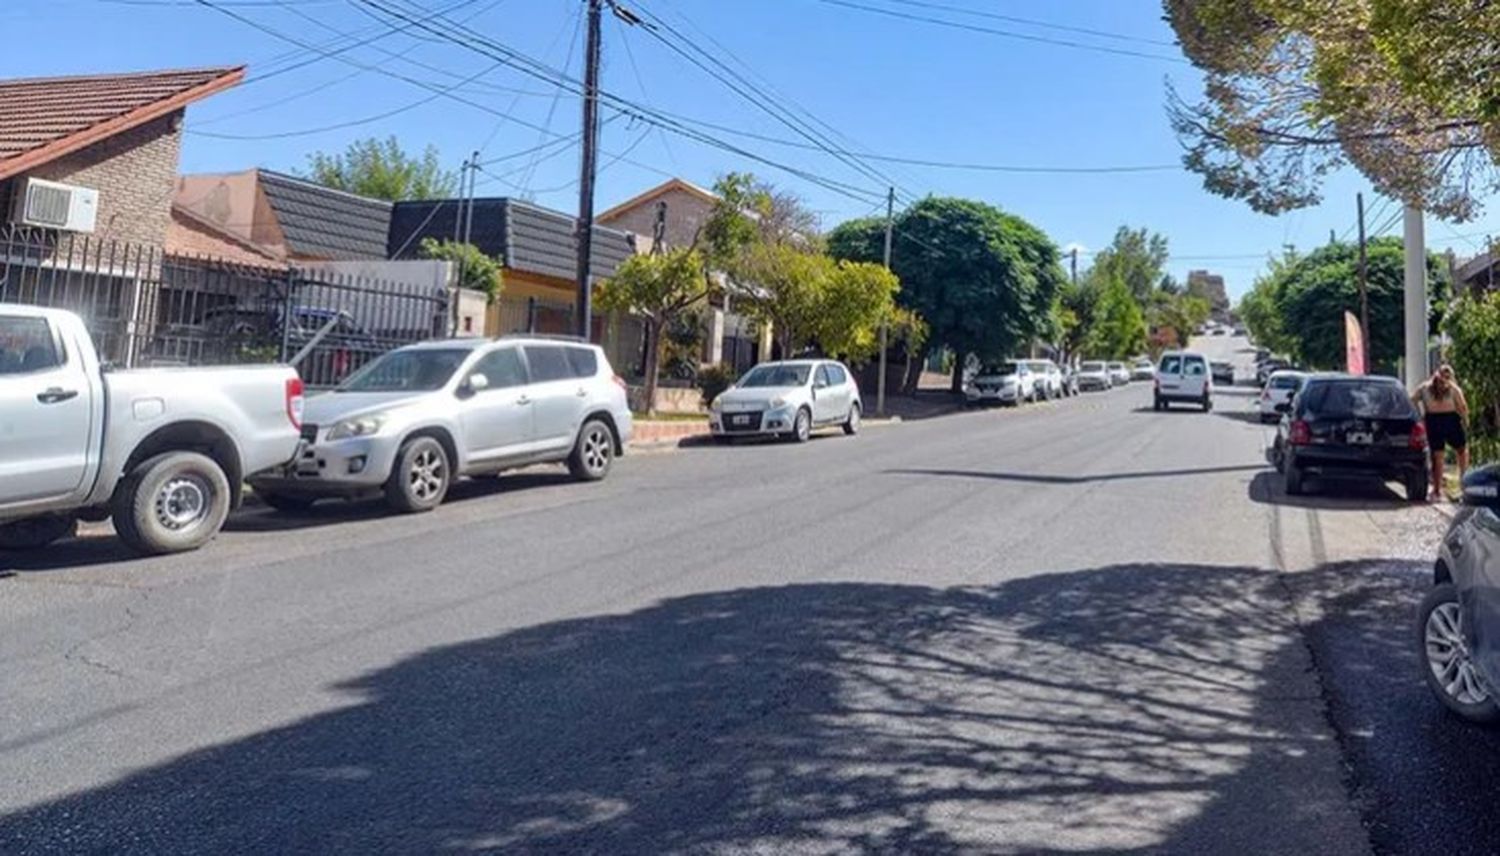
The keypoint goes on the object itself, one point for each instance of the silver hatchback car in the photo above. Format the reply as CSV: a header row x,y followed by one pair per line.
x,y
788,399
416,418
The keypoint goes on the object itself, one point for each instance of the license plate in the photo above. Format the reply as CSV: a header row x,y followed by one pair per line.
x,y
742,420
1359,438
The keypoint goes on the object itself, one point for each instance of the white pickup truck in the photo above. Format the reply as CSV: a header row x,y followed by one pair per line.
x,y
162,451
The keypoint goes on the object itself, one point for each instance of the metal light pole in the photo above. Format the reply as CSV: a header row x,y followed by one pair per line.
x,y
1416,299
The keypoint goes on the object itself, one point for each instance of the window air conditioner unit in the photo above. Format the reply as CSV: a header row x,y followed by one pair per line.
x,y
55,206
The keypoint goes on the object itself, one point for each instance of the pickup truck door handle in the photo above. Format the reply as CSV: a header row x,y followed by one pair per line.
x,y
582,392
54,395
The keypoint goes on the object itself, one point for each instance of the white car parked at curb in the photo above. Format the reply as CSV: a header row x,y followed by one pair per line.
x,y
789,400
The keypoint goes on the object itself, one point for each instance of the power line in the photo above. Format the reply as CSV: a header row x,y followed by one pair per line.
x,y
976,28
1032,22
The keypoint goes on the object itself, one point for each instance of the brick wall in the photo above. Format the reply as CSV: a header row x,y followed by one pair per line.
x,y
135,174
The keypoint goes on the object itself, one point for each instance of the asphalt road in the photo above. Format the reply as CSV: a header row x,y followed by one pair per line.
x,y
1076,627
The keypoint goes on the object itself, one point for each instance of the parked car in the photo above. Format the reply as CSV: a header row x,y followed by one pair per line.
x,y
1239,330
1281,387
1459,619
1119,374
1142,369
1222,371
1010,382
1049,378
161,451
411,422
1093,375
1352,425
1264,370
1182,377
789,400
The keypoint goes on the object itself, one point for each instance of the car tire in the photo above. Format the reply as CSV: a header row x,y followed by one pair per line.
x,y
420,477
593,451
34,533
851,422
1208,405
285,503
1294,478
801,427
172,503
1416,487
1158,405
1443,652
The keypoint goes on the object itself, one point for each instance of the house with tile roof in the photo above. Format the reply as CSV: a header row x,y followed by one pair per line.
x,y
115,135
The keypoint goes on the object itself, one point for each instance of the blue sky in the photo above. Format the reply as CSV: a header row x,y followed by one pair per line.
x,y
890,86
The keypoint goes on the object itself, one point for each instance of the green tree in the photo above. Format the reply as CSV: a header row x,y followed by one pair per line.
x,y
476,270
782,285
983,280
1473,323
855,299
1119,325
1403,90
1312,293
657,288
381,169
1138,258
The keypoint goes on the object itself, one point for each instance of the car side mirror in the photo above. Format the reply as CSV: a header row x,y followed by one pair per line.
x,y
477,382
1284,407
1482,488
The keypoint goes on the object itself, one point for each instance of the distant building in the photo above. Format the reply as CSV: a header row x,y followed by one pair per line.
x,y
1210,287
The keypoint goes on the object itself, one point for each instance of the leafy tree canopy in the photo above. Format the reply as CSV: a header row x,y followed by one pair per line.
x,y
381,169
1404,90
658,288
1136,257
476,270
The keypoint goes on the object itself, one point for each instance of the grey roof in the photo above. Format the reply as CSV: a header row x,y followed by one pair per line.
x,y
326,223
523,236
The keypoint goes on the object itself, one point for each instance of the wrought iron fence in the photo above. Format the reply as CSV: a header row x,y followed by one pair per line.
x,y
147,308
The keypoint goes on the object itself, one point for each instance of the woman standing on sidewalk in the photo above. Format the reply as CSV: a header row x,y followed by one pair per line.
x,y
1444,412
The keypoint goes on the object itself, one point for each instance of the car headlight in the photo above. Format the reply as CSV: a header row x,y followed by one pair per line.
x,y
716,405
360,427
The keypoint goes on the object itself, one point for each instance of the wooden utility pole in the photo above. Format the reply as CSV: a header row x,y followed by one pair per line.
x,y
1074,265
587,169
1364,288
890,220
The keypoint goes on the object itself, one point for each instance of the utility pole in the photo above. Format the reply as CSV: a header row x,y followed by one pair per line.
x,y
1415,298
587,168
458,214
1364,289
890,220
1074,265
469,211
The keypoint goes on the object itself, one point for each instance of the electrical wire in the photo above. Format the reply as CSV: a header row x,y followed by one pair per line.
x,y
1032,22
976,28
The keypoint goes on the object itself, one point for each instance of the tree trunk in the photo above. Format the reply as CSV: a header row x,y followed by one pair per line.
x,y
957,387
914,370
653,363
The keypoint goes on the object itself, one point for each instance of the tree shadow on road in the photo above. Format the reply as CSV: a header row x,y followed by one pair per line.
x,y
1134,707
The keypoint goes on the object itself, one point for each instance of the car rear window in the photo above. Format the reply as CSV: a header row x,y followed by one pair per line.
x,y
1171,365
583,361
1361,400
1285,382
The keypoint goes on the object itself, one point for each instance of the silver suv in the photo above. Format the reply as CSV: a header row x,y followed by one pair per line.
x,y
787,399
417,417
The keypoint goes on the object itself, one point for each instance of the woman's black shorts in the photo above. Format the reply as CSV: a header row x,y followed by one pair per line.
x,y
1445,431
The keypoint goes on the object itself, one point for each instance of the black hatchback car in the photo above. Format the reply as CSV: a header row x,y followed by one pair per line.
x,y
1341,424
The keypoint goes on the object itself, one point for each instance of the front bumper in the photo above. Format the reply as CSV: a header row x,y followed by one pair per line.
x,y
333,468
1000,395
752,423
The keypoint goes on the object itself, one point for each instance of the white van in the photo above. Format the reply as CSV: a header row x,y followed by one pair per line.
x,y
1183,376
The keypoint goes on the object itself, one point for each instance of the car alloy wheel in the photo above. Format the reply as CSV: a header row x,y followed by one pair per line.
x,y
802,426
598,447
1448,655
428,475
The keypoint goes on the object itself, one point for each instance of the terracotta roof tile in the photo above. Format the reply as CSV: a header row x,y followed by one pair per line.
x,y
46,117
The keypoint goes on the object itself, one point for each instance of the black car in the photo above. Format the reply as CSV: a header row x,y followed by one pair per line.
x,y
1341,424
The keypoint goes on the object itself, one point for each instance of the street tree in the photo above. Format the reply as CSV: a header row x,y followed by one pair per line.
x,y
657,288
477,270
853,302
1404,90
1118,330
1136,257
382,169
782,285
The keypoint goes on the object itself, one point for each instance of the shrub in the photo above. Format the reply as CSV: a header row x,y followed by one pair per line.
x,y
1474,325
715,379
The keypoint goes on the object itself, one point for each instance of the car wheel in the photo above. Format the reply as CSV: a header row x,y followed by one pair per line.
x,y
171,503
801,427
420,478
851,424
1293,475
34,533
594,452
1416,487
1450,671
284,502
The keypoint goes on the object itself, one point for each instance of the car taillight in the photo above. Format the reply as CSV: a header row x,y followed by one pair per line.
x,y
1418,437
1300,434
294,401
